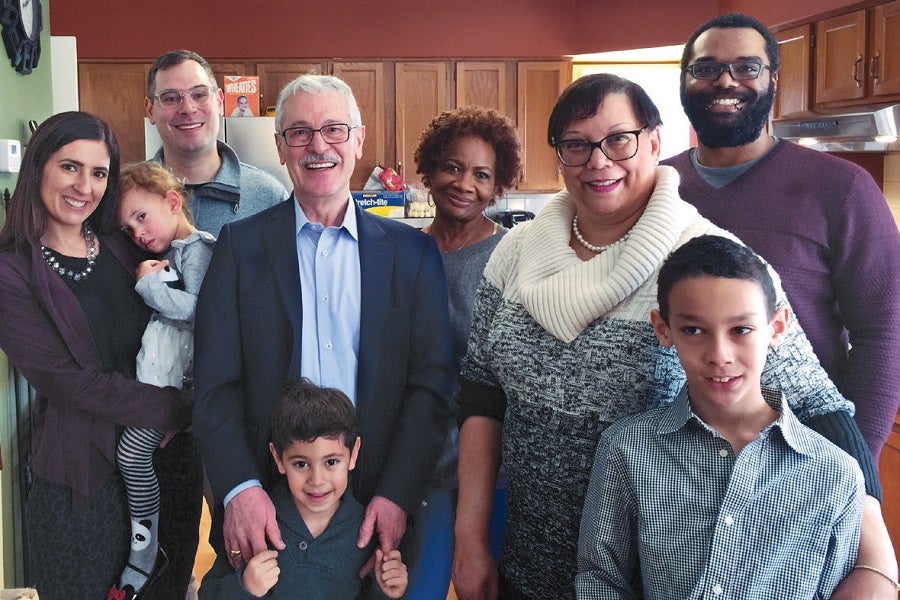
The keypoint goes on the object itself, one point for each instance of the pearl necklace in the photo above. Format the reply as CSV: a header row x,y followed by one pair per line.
x,y
590,246
53,260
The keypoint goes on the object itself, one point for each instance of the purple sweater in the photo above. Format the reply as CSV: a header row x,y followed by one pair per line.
x,y
824,225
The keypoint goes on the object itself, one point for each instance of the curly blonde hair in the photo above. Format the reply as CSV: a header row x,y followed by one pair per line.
x,y
155,178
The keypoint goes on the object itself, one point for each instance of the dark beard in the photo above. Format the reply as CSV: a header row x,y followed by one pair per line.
x,y
741,128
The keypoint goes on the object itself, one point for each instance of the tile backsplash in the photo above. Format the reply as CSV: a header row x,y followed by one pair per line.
x,y
531,202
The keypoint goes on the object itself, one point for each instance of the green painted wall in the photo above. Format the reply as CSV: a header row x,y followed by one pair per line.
x,y
22,97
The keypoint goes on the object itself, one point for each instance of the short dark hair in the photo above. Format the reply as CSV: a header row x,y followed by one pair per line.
x,y
713,256
581,99
174,58
487,124
306,411
26,218
734,21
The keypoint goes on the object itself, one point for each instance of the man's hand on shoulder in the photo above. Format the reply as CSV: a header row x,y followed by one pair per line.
x,y
249,522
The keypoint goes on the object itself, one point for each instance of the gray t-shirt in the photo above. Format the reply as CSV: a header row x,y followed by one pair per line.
x,y
719,177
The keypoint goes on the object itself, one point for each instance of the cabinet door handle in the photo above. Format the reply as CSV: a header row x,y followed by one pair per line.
x,y
873,67
856,65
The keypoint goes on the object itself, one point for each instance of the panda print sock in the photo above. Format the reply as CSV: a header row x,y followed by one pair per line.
x,y
144,549
134,456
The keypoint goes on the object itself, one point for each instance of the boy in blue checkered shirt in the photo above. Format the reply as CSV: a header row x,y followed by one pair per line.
x,y
723,493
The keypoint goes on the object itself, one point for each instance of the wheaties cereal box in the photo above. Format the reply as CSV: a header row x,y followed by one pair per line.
x,y
241,96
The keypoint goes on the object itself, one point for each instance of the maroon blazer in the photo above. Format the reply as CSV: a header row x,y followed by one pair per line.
x,y
77,405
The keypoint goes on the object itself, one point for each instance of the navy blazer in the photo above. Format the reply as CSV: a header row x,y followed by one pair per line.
x,y
247,346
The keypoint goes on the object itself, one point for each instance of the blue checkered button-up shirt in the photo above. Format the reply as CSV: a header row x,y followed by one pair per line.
x,y
672,508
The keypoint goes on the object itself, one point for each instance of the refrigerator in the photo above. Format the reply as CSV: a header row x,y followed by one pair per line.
x,y
253,138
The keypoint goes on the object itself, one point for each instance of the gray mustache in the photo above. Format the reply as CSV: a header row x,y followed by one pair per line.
x,y
313,158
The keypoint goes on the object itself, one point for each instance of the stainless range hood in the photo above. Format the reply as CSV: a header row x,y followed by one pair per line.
x,y
859,129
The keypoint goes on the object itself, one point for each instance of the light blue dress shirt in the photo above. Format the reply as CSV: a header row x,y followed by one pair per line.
x,y
330,288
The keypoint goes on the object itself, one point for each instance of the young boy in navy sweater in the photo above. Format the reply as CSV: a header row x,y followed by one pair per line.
x,y
315,445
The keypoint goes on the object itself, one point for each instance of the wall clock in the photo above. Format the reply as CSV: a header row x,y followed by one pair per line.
x,y
22,23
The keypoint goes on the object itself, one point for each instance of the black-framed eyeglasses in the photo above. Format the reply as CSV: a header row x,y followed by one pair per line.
x,y
741,70
199,95
617,146
333,133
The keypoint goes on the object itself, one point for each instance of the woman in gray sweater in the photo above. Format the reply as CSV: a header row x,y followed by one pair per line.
x,y
467,157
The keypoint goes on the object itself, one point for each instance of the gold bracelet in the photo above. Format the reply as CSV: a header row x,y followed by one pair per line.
x,y
882,573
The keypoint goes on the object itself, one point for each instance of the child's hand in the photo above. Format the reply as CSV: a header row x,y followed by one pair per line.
x,y
261,573
150,266
390,573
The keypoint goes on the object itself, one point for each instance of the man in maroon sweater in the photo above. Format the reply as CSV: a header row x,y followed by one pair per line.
x,y
821,221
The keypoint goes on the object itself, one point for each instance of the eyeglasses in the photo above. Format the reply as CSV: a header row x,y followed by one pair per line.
x,y
335,133
616,146
199,95
740,71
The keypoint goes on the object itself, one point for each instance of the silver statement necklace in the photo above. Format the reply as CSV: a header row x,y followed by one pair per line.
x,y
53,260
590,246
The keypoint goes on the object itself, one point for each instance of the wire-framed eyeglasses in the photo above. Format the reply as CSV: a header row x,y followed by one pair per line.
x,y
333,133
621,145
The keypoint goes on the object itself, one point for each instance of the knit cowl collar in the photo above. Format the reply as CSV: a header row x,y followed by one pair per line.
x,y
565,294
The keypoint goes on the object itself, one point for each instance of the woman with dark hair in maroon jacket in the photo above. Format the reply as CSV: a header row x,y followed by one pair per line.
x,y
71,323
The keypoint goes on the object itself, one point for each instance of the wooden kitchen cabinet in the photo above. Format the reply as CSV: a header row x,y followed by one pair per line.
x,y
273,76
885,61
525,91
841,58
397,100
486,84
794,75
539,85
223,68
858,57
367,80
115,92
422,92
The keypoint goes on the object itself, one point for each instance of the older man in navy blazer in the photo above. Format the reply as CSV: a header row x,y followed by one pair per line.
x,y
315,287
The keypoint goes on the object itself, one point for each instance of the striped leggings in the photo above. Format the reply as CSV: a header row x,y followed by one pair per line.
x,y
135,458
